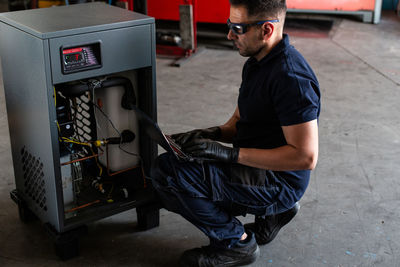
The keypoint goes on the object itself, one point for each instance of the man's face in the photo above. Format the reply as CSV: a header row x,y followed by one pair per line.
x,y
251,42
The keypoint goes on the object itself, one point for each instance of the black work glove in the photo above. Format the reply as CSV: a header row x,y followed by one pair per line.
x,y
213,133
206,148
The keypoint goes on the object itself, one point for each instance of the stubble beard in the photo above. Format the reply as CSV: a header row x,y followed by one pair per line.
x,y
248,51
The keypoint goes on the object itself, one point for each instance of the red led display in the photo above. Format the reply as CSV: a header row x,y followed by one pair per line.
x,y
72,50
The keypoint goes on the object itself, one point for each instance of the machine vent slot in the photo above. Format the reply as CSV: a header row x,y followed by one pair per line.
x,y
34,183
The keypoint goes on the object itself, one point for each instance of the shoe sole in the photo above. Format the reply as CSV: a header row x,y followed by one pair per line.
x,y
244,262
277,229
275,232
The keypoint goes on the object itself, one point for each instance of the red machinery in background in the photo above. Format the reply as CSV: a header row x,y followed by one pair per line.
x,y
190,12
209,11
217,11
184,11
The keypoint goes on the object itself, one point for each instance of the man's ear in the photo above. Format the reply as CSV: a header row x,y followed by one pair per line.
x,y
268,30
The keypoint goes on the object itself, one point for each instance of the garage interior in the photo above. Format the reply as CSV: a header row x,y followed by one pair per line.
x,y
350,212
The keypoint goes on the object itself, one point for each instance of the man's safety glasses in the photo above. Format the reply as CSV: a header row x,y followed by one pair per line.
x,y
242,28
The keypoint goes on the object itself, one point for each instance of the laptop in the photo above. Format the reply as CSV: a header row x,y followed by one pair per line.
x,y
152,129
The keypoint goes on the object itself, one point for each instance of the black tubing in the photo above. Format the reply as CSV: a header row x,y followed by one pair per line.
x,y
77,89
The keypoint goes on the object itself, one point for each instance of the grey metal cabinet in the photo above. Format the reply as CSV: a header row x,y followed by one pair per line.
x,y
60,65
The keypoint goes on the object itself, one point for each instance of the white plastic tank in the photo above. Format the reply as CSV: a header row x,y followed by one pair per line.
x,y
110,118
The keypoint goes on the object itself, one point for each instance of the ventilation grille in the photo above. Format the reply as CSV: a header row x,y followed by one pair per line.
x,y
83,117
33,178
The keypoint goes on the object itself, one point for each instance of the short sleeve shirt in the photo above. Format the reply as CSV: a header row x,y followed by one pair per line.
x,y
279,90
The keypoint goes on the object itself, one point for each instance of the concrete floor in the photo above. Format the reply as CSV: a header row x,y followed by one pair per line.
x,y
350,213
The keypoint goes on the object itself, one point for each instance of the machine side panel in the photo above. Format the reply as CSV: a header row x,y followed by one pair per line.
x,y
153,92
27,104
148,95
121,50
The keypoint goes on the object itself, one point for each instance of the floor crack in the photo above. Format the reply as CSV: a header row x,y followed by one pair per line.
x,y
365,62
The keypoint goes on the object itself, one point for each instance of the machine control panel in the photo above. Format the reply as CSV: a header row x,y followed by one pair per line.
x,y
80,58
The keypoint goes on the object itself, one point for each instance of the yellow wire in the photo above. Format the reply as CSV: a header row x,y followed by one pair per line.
x,y
65,139
111,190
55,96
97,162
55,105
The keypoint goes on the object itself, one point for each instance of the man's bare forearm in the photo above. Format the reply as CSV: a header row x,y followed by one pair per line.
x,y
300,153
228,130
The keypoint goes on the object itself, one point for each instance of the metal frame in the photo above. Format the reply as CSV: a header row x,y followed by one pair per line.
x,y
187,10
30,44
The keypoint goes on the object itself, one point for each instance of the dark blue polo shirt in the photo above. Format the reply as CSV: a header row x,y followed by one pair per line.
x,y
279,90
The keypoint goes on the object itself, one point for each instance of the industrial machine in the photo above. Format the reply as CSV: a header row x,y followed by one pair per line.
x,y
72,75
211,11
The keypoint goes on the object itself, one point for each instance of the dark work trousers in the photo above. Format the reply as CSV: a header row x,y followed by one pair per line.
x,y
211,194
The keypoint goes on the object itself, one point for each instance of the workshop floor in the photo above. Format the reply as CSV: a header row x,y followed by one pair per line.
x,y
350,214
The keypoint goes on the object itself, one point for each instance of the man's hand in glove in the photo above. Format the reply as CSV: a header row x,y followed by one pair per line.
x,y
213,133
206,148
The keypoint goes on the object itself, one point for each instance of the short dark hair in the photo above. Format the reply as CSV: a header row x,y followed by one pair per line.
x,y
262,8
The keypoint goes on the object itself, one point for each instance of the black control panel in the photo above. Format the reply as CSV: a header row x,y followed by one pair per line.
x,y
80,58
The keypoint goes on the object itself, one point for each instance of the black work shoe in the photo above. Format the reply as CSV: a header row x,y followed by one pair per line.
x,y
267,228
243,253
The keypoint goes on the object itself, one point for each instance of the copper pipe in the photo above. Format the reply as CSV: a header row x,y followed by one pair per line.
x,y
82,206
121,171
117,172
81,159
144,178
